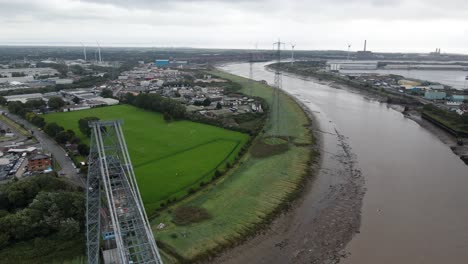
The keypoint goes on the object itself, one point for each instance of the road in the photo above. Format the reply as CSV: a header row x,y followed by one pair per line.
x,y
49,144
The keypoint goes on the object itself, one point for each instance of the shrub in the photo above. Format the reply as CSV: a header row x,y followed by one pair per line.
x,y
190,214
191,191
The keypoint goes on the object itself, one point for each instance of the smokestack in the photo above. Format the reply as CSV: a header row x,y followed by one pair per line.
x,y
365,44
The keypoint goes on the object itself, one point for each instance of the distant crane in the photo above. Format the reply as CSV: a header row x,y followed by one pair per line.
x,y
292,53
84,50
349,47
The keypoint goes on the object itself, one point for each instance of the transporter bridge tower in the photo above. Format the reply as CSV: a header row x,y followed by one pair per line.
x,y
112,187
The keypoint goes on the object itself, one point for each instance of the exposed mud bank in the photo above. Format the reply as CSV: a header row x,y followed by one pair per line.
x,y
320,223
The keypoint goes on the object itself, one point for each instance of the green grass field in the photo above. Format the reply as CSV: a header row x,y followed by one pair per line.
x,y
169,158
251,193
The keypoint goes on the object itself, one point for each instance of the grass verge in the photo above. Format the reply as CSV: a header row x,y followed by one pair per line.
x,y
251,194
15,126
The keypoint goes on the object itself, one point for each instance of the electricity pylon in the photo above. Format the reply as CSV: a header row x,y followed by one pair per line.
x,y
277,87
111,179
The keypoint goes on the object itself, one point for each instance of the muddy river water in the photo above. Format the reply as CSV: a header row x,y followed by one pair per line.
x,y
415,208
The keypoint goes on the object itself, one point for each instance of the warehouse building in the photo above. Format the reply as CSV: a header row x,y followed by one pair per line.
x,y
435,95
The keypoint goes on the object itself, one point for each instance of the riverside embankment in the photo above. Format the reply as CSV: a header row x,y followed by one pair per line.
x,y
255,190
415,209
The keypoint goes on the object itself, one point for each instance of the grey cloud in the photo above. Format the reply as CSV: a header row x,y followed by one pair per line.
x,y
315,23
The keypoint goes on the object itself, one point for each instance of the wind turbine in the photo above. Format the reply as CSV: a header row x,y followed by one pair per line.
x,y
84,50
292,53
99,50
349,47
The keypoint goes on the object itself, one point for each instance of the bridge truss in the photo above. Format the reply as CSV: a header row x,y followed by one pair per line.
x,y
111,182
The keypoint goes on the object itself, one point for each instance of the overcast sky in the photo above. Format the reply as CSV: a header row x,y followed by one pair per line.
x,y
388,25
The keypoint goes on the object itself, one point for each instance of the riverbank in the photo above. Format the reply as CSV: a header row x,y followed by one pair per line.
x,y
445,137
333,212
243,203
332,79
414,183
413,114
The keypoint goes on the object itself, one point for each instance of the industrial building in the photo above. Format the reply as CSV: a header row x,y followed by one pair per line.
x,y
29,72
364,54
24,97
458,98
435,95
161,63
351,65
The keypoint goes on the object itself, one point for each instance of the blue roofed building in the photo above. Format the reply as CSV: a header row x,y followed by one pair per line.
x,y
435,95
457,98
161,63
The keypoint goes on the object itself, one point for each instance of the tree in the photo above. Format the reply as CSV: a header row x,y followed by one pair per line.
x,y
69,228
35,119
464,119
63,137
15,107
129,98
83,149
3,101
56,102
4,239
52,129
83,124
219,106
38,121
76,100
107,93
35,104
207,102
75,140
167,117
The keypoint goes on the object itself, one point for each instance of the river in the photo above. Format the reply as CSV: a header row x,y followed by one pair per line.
x,y
415,209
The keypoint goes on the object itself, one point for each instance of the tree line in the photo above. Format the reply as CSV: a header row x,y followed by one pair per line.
x,y
154,102
41,206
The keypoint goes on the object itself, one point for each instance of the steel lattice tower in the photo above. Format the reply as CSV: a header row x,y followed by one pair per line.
x,y
278,83
111,173
251,81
